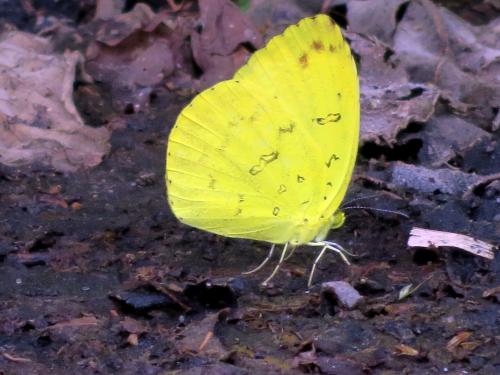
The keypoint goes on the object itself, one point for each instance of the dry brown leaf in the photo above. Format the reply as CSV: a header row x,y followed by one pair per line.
x,y
400,308
435,45
444,137
39,122
75,323
218,42
402,349
133,326
133,339
54,201
456,340
425,180
199,337
107,9
378,19
491,292
389,101
125,55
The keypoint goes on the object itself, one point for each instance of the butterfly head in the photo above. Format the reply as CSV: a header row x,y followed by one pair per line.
x,y
334,222
317,231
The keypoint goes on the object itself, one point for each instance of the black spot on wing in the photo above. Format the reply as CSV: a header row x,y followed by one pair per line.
x,y
303,60
328,119
317,45
333,158
264,160
287,129
211,183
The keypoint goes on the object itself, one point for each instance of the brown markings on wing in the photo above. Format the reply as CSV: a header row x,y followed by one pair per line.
x,y
317,45
303,60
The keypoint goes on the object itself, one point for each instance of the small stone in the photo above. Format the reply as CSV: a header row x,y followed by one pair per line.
x,y
343,292
133,339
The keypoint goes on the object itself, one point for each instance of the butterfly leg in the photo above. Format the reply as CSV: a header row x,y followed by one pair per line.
x,y
313,269
327,245
291,253
263,263
282,258
339,250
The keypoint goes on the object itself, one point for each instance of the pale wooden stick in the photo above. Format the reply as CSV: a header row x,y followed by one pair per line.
x,y
420,237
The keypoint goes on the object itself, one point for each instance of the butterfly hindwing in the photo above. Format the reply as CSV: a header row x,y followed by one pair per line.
x,y
268,155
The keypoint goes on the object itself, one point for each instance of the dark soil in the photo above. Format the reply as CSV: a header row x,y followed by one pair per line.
x,y
97,276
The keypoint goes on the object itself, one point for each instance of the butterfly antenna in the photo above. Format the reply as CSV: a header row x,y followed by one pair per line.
x,y
360,199
282,258
378,210
269,255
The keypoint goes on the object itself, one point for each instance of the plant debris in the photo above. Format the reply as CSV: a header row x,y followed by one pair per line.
x,y
420,237
39,123
96,274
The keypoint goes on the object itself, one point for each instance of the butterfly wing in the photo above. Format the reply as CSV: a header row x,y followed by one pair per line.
x,y
269,154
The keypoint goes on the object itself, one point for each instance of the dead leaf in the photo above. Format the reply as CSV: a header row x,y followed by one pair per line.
x,y
402,349
389,101
492,292
76,206
39,122
218,41
437,46
76,323
425,180
198,337
133,339
125,55
133,326
445,137
378,19
54,201
107,9
400,308
458,339
271,17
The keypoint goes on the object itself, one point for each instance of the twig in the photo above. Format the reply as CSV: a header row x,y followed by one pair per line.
x,y
483,181
325,7
12,358
427,238
205,341
442,33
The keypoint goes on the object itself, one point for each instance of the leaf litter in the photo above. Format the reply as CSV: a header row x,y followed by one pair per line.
x,y
39,123
116,284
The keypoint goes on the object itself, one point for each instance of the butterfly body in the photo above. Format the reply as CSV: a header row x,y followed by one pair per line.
x,y
268,155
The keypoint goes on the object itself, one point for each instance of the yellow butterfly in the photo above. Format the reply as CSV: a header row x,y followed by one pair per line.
x,y
268,155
